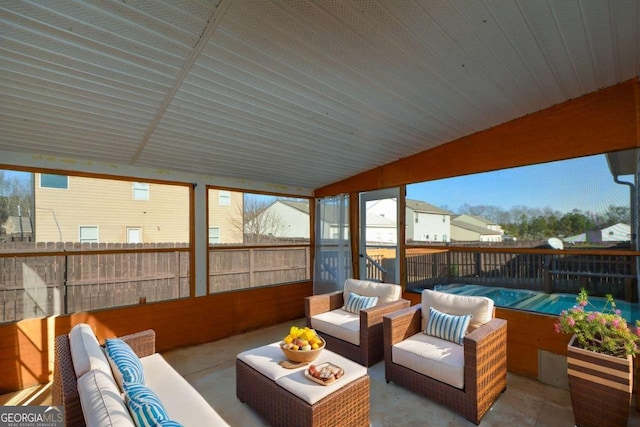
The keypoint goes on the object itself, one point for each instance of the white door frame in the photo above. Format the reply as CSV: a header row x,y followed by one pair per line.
x,y
387,193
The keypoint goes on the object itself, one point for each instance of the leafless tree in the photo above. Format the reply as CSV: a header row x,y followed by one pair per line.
x,y
259,223
16,195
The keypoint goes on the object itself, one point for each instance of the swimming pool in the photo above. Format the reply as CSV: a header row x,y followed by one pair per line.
x,y
502,297
538,302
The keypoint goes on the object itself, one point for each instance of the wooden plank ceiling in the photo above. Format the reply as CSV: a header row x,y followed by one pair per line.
x,y
299,93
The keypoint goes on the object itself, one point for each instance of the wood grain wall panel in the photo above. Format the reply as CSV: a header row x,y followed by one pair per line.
x,y
26,347
602,121
527,333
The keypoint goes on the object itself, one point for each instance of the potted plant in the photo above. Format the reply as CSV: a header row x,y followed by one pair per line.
x,y
599,362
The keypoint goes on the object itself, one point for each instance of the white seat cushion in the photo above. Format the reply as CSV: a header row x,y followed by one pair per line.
x,y
480,308
434,357
260,358
86,352
386,292
182,402
339,324
102,404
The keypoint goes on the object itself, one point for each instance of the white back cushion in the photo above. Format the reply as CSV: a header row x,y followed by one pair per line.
x,y
101,402
86,352
386,292
480,308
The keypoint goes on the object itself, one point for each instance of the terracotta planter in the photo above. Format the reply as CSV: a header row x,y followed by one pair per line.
x,y
600,386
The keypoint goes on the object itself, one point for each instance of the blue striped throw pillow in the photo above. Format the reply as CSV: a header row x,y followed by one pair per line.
x,y
144,405
447,326
356,302
125,362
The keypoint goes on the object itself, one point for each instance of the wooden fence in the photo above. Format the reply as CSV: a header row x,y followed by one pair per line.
x,y
38,284
241,268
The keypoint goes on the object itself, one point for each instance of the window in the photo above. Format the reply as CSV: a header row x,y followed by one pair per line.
x,y
214,235
129,249
88,234
140,191
417,218
134,235
266,240
224,198
558,207
54,181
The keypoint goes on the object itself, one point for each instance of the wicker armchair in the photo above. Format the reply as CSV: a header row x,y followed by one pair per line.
x,y
367,348
483,354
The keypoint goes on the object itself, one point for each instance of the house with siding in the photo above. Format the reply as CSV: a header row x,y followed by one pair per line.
x,y
286,219
81,209
468,228
427,223
614,233
17,228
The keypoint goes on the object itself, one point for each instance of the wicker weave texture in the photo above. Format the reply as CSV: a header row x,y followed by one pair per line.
x,y
65,388
348,406
371,349
485,358
65,383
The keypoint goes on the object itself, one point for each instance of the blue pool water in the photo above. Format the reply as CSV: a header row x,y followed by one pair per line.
x,y
502,297
538,302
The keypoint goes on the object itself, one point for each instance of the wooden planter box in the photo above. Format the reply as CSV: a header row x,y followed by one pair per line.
x,y
600,386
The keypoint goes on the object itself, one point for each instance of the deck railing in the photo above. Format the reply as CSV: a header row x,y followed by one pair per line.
x,y
601,272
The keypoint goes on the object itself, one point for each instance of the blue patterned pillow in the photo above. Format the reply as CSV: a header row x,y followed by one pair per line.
x,y
356,302
144,405
126,365
447,326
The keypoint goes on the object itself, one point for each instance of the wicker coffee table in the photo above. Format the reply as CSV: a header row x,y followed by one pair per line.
x,y
285,397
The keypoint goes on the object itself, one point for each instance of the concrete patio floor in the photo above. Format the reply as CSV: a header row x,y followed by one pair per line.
x,y
210,368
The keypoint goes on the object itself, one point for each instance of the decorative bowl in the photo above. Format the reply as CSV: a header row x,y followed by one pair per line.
x,y
302,356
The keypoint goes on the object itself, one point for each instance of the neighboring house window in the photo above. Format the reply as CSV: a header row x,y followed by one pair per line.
x,y
416,218
214,235
611,233
140,191
435,237
48,180
134,235
88,234
224,198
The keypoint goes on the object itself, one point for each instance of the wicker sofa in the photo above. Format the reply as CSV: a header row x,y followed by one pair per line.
x,y
467,378
355,336
86,387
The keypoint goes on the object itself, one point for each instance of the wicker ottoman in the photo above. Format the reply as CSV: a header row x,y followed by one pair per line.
x,y
285,397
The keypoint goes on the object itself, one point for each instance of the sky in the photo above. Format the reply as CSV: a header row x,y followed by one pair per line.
x,y
584,183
